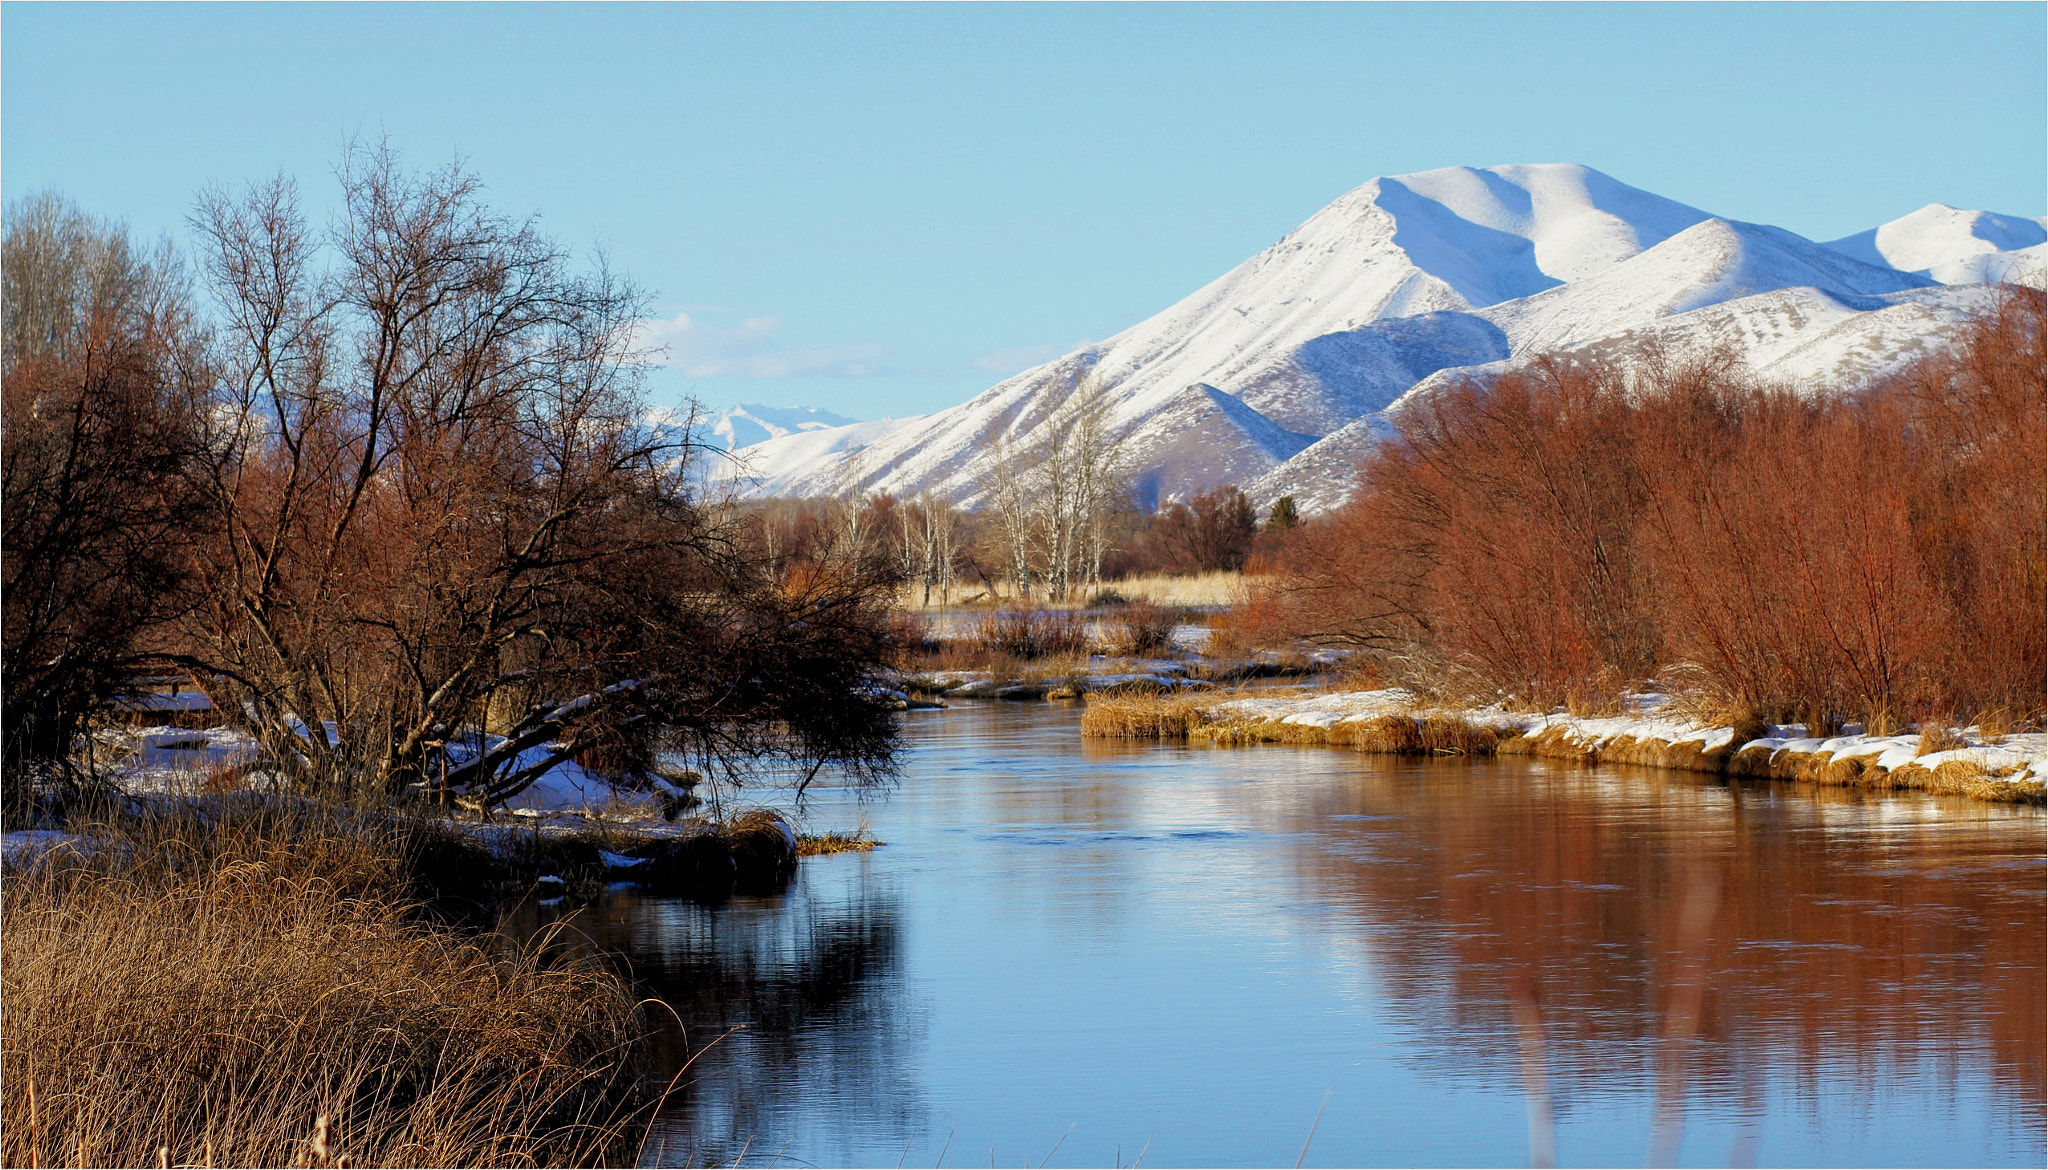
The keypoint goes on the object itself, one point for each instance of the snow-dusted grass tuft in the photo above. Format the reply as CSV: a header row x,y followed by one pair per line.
x,y
1938,738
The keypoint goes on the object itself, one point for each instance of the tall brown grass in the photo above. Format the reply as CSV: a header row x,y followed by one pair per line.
x,y
1030,633
218,993
1815,552
1139,629
1429,735
1133,716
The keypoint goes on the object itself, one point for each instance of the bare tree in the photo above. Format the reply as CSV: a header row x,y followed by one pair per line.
x,y
1014,510
1057,501
909,544
937,554
1103,475
104,379
439,516
1079,483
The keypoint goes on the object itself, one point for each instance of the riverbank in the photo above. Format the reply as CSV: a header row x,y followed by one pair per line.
x,y
251,982
456,858
247,978
2005,768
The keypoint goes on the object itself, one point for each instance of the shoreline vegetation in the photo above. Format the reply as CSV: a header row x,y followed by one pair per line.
x,y
1580,529
495,637
256,983
1205,590
1974,761
255,979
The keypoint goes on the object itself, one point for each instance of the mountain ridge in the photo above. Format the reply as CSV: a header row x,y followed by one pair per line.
x,y
1411,281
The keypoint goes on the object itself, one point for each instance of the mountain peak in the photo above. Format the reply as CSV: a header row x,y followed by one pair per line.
x,y
1422,279
750,423
1496,233
1952,245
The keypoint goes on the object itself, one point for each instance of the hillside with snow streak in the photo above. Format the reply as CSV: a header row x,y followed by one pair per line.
x,y
1277,373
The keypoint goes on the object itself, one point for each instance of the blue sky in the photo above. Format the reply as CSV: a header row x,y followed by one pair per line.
x,y
882,209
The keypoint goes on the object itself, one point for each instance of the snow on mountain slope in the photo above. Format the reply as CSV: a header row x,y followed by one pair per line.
x,y
794,464
1955,246
1274,372
1801,337
1328,380
1323,474
1713,261
747,424
1439,242
1449,240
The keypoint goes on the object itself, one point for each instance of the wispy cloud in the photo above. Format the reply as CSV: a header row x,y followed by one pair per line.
x,y
749,348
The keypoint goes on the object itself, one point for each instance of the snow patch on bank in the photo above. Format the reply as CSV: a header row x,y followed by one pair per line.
x,y
2019,757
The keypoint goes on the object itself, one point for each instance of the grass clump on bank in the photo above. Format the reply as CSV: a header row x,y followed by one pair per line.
x,y
1139,629
1429,735
225,994
1030,634
1126,715
821,844
1140,716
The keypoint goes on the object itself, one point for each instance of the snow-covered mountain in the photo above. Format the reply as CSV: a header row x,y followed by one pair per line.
x,y
1276,375
1954,246
751,423
787,465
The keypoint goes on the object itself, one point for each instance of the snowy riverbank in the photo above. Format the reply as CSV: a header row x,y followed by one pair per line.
x,y
2003,767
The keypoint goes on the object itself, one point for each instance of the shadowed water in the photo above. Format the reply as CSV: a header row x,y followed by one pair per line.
x,y
1069,950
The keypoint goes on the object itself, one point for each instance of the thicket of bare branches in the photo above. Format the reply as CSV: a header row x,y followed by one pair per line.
x,y
103,377
439,511
425,540
1057,495
1212,532
1796,552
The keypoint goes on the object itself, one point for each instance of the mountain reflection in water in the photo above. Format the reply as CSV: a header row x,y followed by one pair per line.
x,y
1192,946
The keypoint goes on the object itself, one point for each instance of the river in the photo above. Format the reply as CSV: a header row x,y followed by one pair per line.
x,y
1071,952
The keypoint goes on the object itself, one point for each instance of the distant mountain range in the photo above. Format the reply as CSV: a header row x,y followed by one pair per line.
x,y
746,425
1278,374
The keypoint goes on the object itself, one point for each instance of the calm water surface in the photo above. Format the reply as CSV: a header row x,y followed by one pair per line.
x,y
1073,952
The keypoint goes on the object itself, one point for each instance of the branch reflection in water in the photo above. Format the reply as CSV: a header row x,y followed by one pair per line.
x,y
812,979
1696,938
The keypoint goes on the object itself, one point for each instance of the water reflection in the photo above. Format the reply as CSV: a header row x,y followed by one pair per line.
x,y
1831,938
764,989
1095,946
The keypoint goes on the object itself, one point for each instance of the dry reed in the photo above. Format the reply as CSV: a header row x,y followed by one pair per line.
x,y
1123,715
1937,737
819,844
1429,735
1216,588
224,995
